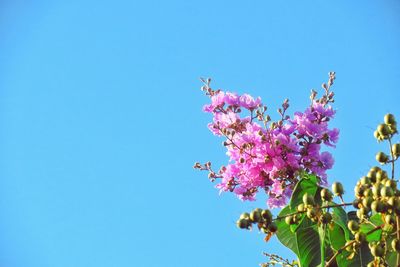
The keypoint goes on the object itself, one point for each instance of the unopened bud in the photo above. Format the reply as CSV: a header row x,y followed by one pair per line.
x,y
337,189
381,157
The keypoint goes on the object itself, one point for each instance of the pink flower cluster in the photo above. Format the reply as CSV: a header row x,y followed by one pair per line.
x,y
267,155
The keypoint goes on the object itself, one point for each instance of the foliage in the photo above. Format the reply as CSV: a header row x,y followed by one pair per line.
x,y
284,158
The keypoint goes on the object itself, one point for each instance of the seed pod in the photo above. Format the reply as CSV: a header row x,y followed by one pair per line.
x,y
389,219
381,175
377,251
243,223
301,208
255,215
353,226
396,245
376,190
289,220
337,189
366,202
356,203
245,215
267,215
326,218
308,199
383,130
387,191
326,195
365,180
311,213
396,150
372,175
360,237
377,206
272,227
381,157
391,183
389,119
368,192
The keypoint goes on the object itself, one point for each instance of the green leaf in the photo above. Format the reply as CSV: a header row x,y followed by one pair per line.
x,y
284,234
376,220
308,243
339,216
362,258
308,184
336,236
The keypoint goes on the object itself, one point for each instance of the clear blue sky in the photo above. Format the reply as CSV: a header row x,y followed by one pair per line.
x,y
101,121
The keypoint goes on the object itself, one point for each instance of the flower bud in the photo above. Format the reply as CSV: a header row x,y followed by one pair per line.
x,y
389,119
356,203
337,188
289,220
392,184
381,157
308,199
326,195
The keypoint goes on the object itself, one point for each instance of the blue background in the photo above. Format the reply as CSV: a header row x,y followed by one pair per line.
x,y
101,121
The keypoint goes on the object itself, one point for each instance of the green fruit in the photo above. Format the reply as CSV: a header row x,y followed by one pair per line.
x,y
272,227
267,215
356,203
311,213
376,190
308,199
381,157
366,202
387,191
326,218
365,180
377,206
377,251
337,188
391,183
389,219
368,192
326,195
245,215
301,208
396,245
289,220
255,215
389,119
353,226
360,237
243,223
383,129
396,150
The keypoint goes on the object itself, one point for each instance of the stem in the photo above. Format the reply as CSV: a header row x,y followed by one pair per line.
x,y
398,237
322,238
340,250
322,207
